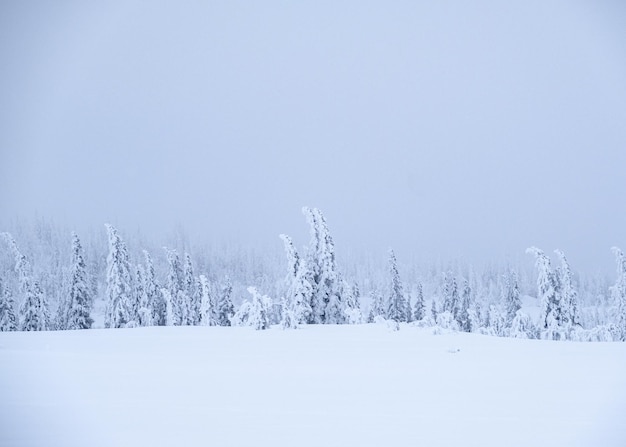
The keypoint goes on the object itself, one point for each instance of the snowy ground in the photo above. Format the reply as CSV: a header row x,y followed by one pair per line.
x,y
317,386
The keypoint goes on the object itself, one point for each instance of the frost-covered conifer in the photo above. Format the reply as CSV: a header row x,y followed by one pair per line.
x,y
225,308
144,310
618,292
119,291
156,302
34,314
496,324
258,317
450,292
208,314
377,306
569,295
288,319
419,308
464,315
322,271
396,302
522,326
299,290
192,292
352,298
550,324
512,296
175,286
169,307
79,299
8,322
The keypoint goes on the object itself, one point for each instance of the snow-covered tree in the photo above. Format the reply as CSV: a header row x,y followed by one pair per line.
x,y
176,288
208,312
569,295
225,308
144,310
550,324
288,318
352,298
79,300
512,300
377,306
450,292
155,300
464,317
522,326
258,317
8,322
192,292
618,292
322,271
396,301
299,290
419,308
34,315
119,291
169,307
33,312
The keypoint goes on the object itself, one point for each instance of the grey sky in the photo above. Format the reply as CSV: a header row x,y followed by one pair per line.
x,y
438,128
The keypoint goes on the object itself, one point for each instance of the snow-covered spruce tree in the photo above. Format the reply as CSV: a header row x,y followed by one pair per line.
x,y
352,298
156,302
8,322
175,286
144,308
190,285
208,314
569,295
288,317
419,308
512,300
33,311
464,317
169,307
550,323
119,291
522,326
79,300
225,308
396,302
377,306
34,314
257,317
450,292
299,290
326,303
618,292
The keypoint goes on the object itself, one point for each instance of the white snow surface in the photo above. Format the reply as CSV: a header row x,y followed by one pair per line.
x,y
350,385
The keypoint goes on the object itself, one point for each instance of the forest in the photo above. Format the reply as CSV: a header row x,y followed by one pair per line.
x,y
52,279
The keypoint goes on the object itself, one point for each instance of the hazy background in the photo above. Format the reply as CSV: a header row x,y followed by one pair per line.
x,y
442,129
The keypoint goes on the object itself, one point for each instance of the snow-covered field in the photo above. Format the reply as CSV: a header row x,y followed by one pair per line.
x,y
351,385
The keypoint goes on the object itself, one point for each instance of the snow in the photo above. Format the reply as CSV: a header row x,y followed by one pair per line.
x,y
349,385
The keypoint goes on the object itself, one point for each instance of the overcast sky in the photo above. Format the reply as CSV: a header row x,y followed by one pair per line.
x,y
441,129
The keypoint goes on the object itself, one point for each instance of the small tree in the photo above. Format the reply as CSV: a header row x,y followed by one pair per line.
x,y
119,292
207,304
511,296
396,303
419,308
34,314
8,322
550,325
225,308
258,317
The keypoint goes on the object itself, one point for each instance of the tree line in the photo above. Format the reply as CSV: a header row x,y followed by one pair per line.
x,y
313,291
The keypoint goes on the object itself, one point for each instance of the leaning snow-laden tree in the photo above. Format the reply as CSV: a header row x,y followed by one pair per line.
x,y
299,290
569,295
618,292
322,271
8,322
119,291
79,299
396,301
512,300
33,311
551,318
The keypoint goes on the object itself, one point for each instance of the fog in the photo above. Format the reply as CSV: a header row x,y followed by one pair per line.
x,y
441,129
